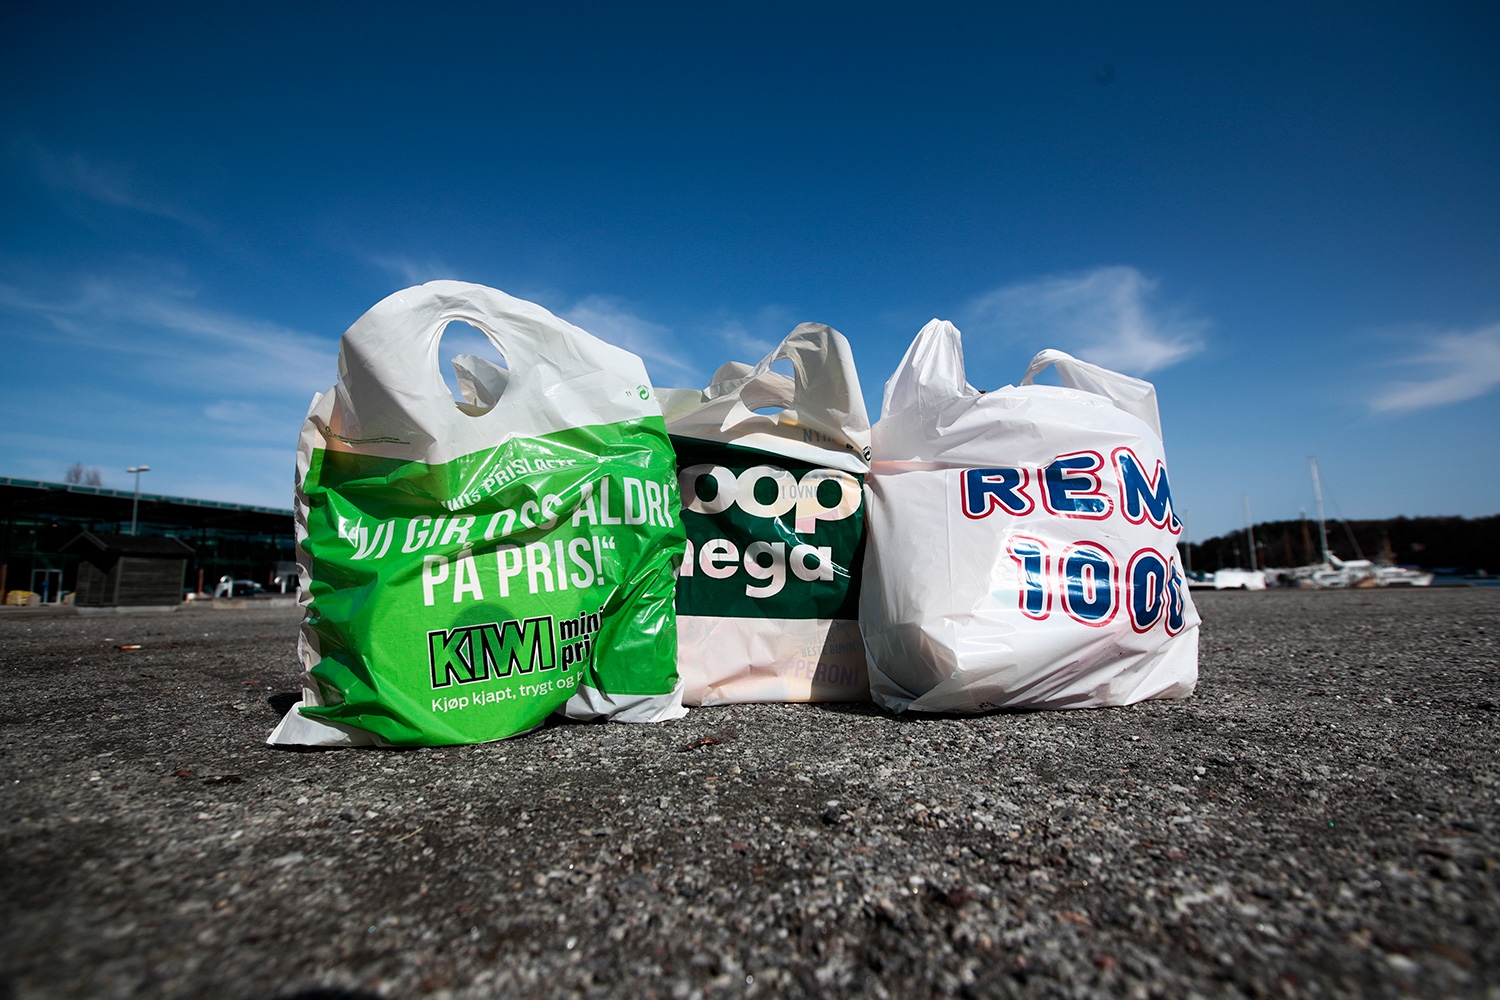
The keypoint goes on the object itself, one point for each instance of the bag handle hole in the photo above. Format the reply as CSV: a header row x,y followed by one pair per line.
x,y
474,370
773,390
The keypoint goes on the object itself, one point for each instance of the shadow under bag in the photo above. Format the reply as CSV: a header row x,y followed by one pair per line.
x,y
470,568
1022,542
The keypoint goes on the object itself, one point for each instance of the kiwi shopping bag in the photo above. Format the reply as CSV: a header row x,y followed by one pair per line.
x,y
470,568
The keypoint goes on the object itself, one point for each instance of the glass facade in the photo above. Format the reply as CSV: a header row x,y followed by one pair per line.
x,y
37,519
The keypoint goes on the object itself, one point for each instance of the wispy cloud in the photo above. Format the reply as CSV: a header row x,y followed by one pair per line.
x,y
672,358
75,175
132,369
610,320
751,338
411,271
1109,316
104,414
188,343
1456,366
745,345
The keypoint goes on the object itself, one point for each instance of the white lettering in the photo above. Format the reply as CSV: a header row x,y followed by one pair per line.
x,y
507,565
550,503
586,507
716,551
604,517
434,572
538,563
366,543
635,502
466,577
810,509
786,491
822,570
724,480
458,528
578,553
803,495
775,572
653,505
416,539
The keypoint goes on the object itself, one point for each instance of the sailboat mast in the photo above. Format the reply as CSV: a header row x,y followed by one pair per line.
x,y
1249,531
1318,496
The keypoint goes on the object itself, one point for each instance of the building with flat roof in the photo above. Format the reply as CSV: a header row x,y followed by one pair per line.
x,y
39,519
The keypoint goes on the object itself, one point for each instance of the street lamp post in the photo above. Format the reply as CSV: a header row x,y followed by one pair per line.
x,y
136,503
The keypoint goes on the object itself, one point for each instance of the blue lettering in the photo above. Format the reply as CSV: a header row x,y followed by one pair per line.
x,y
1033,561
986,489
1140,497
1148,589
1072,486
1088,591
1175,604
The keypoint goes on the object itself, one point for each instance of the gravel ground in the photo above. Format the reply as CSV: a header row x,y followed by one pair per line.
x,y
1322,818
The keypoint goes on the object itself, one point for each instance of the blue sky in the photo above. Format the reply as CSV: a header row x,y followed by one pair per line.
x,y
1288,218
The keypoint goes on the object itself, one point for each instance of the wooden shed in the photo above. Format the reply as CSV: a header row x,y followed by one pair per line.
x,y
128,570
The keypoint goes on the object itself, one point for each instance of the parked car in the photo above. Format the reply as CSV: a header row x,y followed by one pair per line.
x,y
238,588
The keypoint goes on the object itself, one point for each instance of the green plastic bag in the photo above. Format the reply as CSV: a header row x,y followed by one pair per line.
x,y
470,568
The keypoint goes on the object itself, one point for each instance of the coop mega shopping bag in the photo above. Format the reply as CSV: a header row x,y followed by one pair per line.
x,y
768,592
1022,542
469,568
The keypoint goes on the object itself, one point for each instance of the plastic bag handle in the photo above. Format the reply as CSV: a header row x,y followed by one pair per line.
x,y
823,377
1135,396
409,361
394,349
810,347
931,372
816,351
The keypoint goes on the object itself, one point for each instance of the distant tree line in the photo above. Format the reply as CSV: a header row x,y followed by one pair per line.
x,y
1461,543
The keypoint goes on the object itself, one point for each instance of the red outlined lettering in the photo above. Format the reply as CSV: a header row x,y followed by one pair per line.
x,y
985,490
1151,496
1062,494
1088,599
1147,579
1034,562
1176,608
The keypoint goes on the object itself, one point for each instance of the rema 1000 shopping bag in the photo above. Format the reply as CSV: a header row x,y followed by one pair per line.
x,y
770,472
1023,545
470,568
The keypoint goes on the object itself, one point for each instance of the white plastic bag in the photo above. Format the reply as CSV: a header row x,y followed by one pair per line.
x,y
1022,542
469,568
768,592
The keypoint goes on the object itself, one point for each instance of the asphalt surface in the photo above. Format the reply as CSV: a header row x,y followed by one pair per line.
x,y
1321,819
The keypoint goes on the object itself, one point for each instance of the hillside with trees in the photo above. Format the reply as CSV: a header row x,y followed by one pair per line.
x,y
1458,543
